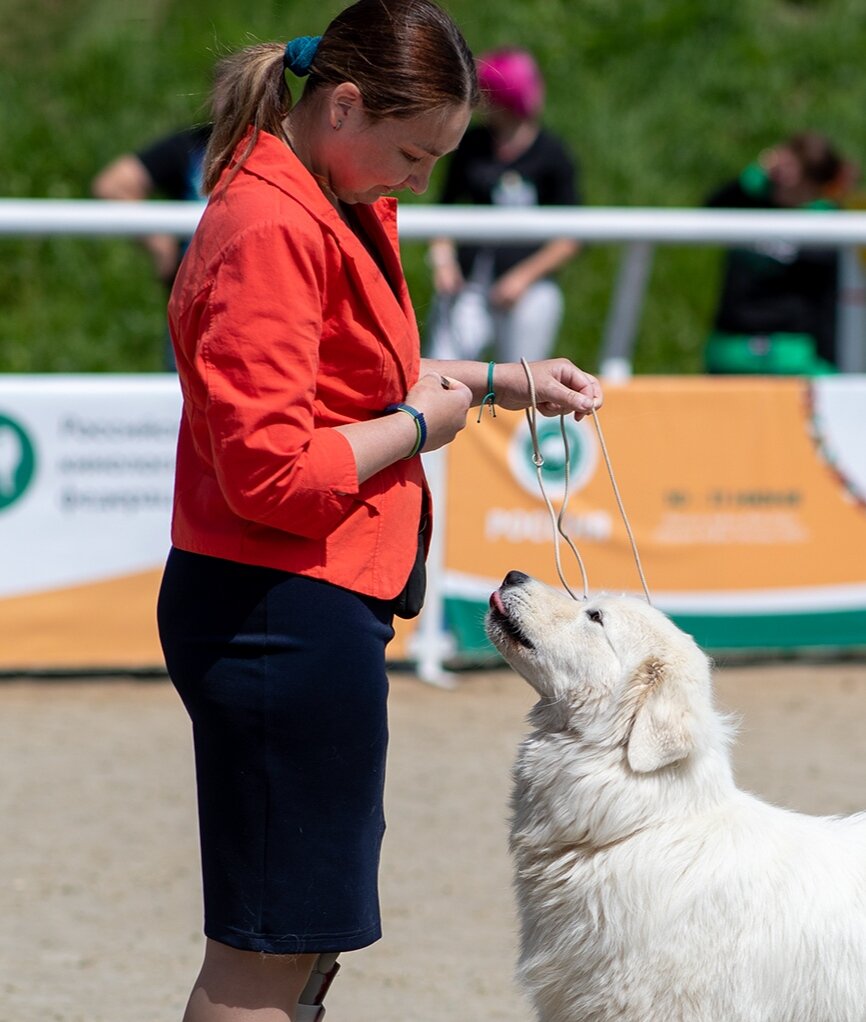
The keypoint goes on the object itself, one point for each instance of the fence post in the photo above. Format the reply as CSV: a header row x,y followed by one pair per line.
x,y
851,312
620,329
431,643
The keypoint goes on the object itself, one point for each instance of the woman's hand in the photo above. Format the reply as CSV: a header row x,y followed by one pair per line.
x,y
447,279
376,443
513,284
442,257
507,291
445,407
560,387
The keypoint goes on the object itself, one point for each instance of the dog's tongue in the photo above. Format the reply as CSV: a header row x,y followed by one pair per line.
x,y
496,602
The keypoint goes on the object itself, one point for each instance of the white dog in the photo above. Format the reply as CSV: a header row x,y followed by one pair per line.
x,y
649,888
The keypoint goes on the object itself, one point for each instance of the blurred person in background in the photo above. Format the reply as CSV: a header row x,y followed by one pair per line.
x,y
170,168
777,309
503,295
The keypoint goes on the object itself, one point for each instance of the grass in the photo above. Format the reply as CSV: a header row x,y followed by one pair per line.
x,y
660,100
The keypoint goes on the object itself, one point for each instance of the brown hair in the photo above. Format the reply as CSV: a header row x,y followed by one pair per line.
x,y
407,57
819,161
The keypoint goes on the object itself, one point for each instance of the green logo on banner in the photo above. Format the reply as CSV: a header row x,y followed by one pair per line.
x,y
582,456
553,451
17,461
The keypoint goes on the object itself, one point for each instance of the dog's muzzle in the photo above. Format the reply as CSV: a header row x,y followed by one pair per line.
x,y
503,619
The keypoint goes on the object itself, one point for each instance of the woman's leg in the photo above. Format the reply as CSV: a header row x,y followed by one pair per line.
x,y
290,791
461,325
246,986
529,329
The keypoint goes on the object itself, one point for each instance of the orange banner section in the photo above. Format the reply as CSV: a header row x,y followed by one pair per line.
x,y
729,484
102,626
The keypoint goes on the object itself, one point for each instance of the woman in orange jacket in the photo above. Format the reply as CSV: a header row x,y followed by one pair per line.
x,y
300,502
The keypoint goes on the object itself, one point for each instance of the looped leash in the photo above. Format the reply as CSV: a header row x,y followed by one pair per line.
x,y
538,460
557,520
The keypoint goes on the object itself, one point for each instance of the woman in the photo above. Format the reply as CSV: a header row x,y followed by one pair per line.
x,y
504,295
300,502
776,312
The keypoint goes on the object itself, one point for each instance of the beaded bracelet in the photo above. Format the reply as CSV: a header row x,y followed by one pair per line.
x,y
420,426
490,396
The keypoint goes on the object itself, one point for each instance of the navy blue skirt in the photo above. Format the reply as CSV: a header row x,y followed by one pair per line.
x,y
284,680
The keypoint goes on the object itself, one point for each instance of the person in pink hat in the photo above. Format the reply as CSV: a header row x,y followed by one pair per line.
x,y
503,299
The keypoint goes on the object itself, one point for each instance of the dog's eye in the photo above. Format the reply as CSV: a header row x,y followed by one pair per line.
x,y
597,616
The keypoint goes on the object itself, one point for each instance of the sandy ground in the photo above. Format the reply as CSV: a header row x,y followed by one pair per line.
x,y
99,882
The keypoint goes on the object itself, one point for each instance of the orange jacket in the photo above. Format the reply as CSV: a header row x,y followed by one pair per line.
x,y
284,327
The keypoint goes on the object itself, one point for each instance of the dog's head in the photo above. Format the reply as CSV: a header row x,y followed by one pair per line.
x,y
612,669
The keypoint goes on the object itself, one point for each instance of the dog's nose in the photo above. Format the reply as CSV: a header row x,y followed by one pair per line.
x,y
515,578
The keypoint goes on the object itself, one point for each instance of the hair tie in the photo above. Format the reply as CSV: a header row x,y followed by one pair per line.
x,y
300,53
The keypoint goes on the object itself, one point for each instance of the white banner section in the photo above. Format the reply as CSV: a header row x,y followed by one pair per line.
x,y
86,476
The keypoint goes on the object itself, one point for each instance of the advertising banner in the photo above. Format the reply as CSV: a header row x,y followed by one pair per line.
x,y
746,498
86,476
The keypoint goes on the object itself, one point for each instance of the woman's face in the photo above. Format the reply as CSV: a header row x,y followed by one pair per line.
x,y
366,158
791,186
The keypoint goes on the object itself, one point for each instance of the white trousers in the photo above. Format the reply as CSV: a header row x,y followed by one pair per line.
x,y
463,325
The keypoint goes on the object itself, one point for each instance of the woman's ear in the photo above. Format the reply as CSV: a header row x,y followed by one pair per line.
x,y
345,102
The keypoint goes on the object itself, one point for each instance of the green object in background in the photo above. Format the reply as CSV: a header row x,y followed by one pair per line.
x,y
755,181
779,354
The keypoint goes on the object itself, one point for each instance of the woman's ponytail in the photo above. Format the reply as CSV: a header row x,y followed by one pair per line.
x,y
249,90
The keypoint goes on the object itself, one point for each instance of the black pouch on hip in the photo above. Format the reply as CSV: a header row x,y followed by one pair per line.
x,y
409,601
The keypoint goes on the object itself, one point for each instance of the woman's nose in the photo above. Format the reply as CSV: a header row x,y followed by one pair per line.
x,y
417,181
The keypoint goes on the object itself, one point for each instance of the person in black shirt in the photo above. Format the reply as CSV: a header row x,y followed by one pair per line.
x,y
777,309
503,296
171,168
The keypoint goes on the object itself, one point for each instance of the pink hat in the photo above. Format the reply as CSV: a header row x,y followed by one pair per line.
x,y
509,78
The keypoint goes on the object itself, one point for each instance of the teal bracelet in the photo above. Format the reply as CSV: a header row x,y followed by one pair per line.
x,y
420,426
490,397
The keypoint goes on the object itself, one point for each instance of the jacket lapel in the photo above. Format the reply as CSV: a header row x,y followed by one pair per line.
x,y
391,307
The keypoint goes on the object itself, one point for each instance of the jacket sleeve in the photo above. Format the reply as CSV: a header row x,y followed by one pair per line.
x,y
260,352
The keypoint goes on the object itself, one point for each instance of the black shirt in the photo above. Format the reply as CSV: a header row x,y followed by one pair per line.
x,y
544,175
174,163
775,287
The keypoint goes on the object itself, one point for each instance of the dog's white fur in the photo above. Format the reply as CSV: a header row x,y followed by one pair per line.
x,y
650,889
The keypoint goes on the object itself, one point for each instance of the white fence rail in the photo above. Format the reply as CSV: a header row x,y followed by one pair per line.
x,y
586,223
639,229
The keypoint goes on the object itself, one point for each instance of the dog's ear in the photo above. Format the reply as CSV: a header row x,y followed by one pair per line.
x,y
662,729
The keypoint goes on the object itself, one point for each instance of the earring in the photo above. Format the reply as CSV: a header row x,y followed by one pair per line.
x,y
338,125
